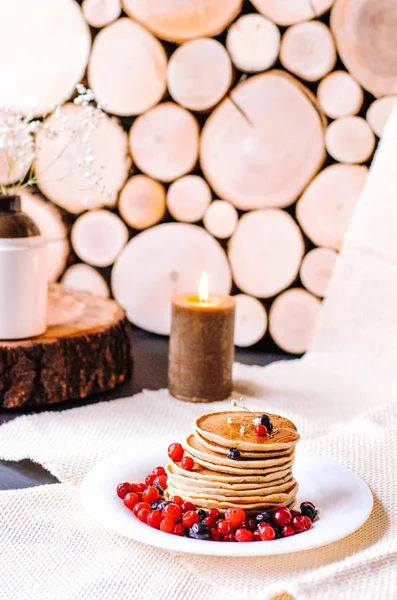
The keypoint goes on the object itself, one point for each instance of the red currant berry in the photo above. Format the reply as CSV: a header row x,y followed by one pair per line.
x,y
300,523
149,479
213,513
141,487
257,536
216,536
140,505
190,518
143,514
123,489
248,524
154,519
295,513
177,500
159,471
172,511
187,463
135,487
130,500
266,532
210,522
188,506
175,452
151,494
244,535
288,530
260,430
229,538
161,480
235,515
225,527
180,530
167,525
282,516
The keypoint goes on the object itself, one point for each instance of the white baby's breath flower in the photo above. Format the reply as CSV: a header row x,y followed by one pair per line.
x,y
230,421
242,429
256,421
233,403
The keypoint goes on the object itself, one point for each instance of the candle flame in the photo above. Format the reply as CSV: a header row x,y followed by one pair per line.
x,y
203,287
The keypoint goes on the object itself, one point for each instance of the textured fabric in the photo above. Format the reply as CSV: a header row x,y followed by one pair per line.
x,y
341,395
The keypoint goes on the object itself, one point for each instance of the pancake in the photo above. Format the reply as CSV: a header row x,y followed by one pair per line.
x,y
237,470
198,451
210,491
244,453
214,427
202,473
275,498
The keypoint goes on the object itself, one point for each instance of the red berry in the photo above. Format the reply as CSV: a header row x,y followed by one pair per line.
x,y
123,489
235,515
140,505
288,530
149,479
248,524
187,506
159,471
130,500
260,430
190,518
266,532
229,538
135,487
161,480
210,522
139,494
141,487
244,535
216,536
154,519
295,513
282,516
180,530
172,511
177,500
151,494
175,452
257,536
213,513
225,527
187,463
300,523
167,525
143,514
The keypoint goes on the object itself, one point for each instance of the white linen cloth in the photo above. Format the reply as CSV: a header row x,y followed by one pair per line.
x,y
341,395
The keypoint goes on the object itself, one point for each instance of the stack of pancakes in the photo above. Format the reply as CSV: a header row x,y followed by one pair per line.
x,y
260,479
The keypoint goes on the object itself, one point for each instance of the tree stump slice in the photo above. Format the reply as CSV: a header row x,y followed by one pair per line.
x,y
262,145
99,13
85,350
182,20
379,113
188,198
365,34
350,140
85,278
339,95
142,202
253,43
316,270
251,321
289,12
221,219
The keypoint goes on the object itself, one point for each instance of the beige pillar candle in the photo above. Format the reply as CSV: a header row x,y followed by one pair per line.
x,y
201,346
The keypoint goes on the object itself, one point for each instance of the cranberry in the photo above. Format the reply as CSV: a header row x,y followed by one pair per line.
x,y
260,430
172,511
244,535
213,513
130,500
190,518
257,536
167,525
210,522
187,463
123,489
282,516
154,519
288,530
266,532
159,471
248,524
229,538
151,494
216,536
235,515
225,527
187,506
149,479
160,480
177,500
140,505
143,514
175,452
300,523
180,530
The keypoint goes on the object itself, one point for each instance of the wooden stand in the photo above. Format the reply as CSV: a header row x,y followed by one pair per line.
x,y
85,350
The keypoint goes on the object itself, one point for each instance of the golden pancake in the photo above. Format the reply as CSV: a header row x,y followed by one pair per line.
x,y
276,498
244,453
210,491
202,473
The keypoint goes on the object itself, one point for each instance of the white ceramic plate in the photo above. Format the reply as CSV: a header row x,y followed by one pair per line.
x,y
343,498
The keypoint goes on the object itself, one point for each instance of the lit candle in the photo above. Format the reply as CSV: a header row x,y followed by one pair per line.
x,y
201,346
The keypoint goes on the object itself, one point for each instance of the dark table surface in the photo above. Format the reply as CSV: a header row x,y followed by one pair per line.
x,y
149,372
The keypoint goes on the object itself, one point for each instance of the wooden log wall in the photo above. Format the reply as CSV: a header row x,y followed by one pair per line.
x,y
238,140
